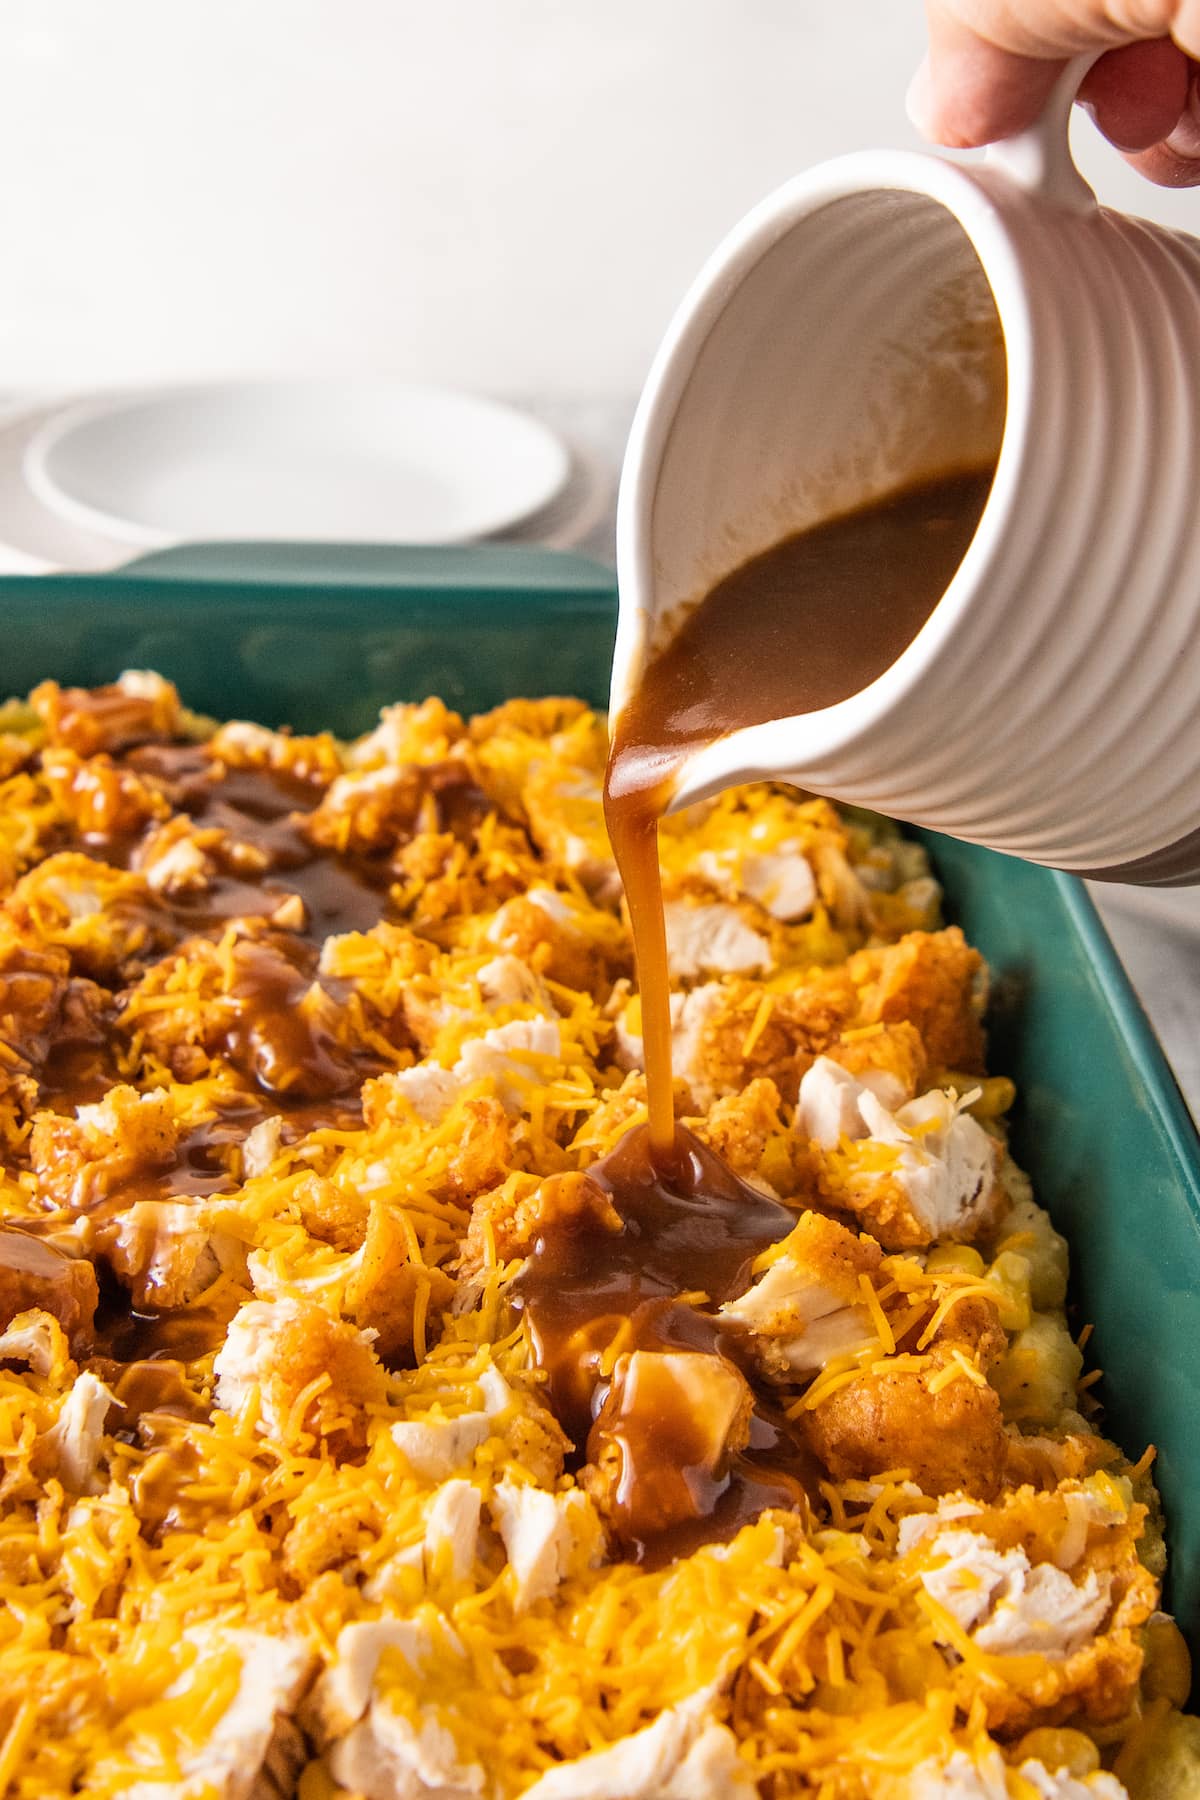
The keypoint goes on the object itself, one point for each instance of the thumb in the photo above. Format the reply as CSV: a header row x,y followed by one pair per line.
x,y
969,91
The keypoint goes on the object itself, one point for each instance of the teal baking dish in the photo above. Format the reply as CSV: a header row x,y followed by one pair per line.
x,y
318,637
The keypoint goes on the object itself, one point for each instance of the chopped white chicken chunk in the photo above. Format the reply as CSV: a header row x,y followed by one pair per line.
x,y
280,1350
260,1147
78,1432
545,1536
942,1174
510,1054
179,866
451,1531
708,1392
507,981
713,940
376,1752
809,1305
828,1107
1009,1606
961,1777
1057,1784
37,1339
168,1251
429,1089
684,1755
438,1448
918,1528
255,1747
554,905
343,1693
781,881
966,1777
690,1014
386,1757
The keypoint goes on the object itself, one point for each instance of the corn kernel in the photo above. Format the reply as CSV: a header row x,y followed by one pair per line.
x,y
1062,1751
1167,1670
996,1097
954,1256
1010,1275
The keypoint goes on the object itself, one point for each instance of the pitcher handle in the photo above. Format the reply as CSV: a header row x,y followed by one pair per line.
x,y
1039,158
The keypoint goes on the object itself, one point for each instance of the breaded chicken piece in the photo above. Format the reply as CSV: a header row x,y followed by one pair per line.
x,y
540,719
180,858
474,1148
33,986
99,798
458,995
383,1292
896,1050
379,809
428,732
81,1161
31,824
694,1409
37,1276
808,1306
443,885
109,920
1049,1583
241,745
168,1252
891,1416
381,964
137,707
287,1348
742,1126
522,736
253,1003
564,806
915,1172
564,938
619,1108
935,981
113,1163
510,1217
726,1033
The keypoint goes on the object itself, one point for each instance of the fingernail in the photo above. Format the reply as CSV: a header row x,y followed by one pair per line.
x,y
919,102
1185,139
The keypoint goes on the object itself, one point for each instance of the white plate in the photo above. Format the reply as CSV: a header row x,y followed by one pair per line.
x,y
352,462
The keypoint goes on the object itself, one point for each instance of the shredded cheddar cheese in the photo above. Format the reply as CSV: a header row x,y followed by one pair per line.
x,y
302,1044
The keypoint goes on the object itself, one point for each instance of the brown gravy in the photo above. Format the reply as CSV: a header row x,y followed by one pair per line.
x,y
639,1260
638,1263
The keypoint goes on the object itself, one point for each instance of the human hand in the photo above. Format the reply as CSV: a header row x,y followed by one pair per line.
x,y
992,64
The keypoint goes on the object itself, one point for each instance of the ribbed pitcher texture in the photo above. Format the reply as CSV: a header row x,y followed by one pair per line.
x,y
891,316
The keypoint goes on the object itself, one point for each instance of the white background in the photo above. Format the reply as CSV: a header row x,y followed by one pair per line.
x,y
506,194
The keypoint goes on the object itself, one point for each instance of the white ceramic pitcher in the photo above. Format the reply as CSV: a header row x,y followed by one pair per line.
x,y
885,318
